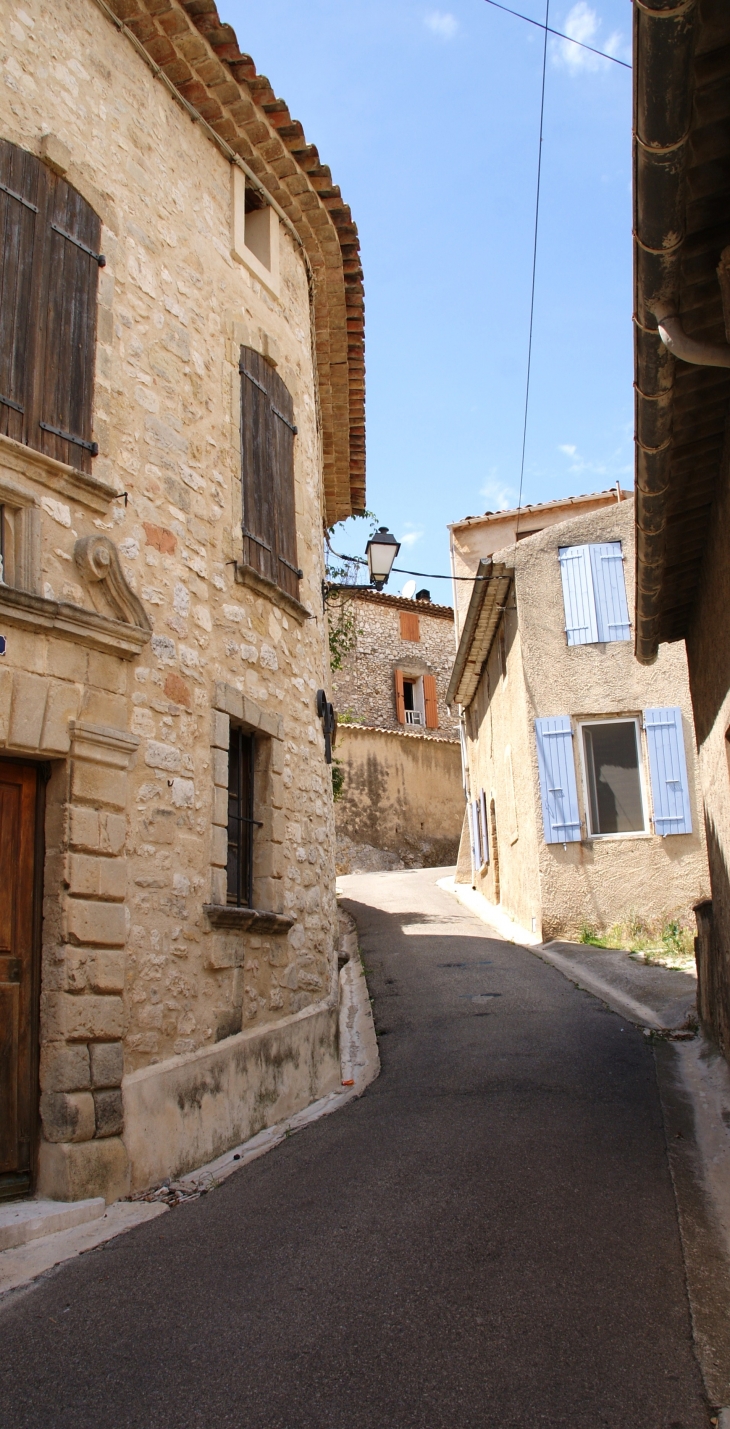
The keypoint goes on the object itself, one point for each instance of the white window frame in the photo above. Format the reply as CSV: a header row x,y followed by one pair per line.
x,y
419,702
636,720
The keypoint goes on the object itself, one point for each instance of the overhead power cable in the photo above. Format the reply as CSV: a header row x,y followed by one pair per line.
x,y
545,27
561,36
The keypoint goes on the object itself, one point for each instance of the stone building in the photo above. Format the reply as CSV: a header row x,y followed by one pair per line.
x,y
682,353
181,408
397,742
583,803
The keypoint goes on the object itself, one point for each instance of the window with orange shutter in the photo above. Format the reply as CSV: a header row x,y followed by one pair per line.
x,y
409,626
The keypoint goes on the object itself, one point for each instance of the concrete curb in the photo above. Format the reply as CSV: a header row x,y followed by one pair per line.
x,y
478,904
359,1064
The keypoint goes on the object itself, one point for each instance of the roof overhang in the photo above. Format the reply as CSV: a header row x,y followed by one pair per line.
x,y
488,599
681,227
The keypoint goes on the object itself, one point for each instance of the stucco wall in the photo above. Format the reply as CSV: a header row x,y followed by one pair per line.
x,y
596,881
365,686
708,651
136,833
402,796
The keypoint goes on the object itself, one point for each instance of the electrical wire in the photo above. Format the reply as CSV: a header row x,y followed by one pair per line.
x,y
534,263
559,33
401,571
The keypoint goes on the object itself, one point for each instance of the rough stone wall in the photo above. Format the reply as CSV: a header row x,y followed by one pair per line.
x,y
708,652
597,881
134,970
402,803
365,686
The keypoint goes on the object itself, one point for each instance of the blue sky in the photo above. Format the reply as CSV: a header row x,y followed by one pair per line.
x,y
428,117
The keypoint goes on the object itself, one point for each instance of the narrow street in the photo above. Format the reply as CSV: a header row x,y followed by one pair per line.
x,y
488,1237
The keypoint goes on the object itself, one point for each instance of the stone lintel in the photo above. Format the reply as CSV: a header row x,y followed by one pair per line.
x,y
100,744
246,575
98,632
56,476
225,915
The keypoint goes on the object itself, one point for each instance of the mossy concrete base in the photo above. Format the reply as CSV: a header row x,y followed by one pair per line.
x,y
188,1110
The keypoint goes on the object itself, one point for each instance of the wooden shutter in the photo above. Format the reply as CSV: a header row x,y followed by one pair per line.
x,y
19,177
400,703
578,599
484,820
409,625
429,700
476,846
49,277
609,590
267,467
556,767
668,770
63,411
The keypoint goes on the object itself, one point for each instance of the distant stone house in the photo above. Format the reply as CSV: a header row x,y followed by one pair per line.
x,y
397,742
181,408
582,780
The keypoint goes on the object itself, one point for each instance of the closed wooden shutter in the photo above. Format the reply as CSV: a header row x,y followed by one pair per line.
x,y
609,589
19,177
578,599
49,277
668,769
556,766
484,820
400,703
409,625
429,700
267,469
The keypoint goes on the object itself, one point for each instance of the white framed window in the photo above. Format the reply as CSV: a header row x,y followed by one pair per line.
x,y
613,777
413,701
255,236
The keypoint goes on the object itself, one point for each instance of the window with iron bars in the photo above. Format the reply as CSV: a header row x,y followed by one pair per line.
x,y
241,822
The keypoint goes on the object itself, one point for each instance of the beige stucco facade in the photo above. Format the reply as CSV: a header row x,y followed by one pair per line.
x,y
553,889
167,1030
401,802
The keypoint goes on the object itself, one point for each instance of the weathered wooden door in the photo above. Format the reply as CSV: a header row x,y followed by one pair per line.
x,y
18,977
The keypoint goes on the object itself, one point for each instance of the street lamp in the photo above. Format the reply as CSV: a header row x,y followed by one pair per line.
x,y
381,551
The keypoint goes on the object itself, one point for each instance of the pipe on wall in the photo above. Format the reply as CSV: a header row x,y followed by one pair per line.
x,y
702,354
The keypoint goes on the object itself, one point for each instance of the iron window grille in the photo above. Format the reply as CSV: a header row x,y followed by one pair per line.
x,y
241,822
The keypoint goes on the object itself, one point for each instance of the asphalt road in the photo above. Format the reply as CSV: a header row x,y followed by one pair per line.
x,y
488,1237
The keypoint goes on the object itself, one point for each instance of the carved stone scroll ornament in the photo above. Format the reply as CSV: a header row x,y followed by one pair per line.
x,y
98,561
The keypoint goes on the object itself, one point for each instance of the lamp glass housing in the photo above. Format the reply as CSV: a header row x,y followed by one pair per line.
x,y
381,550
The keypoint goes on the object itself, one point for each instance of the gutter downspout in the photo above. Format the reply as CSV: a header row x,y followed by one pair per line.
x,y
701,354
663,53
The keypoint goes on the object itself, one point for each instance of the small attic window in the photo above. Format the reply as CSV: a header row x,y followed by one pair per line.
x,y
255,231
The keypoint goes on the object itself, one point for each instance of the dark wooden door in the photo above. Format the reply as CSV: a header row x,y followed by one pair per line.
x,y
18,983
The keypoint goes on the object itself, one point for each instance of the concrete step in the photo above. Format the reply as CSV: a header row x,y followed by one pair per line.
x,y
21,1221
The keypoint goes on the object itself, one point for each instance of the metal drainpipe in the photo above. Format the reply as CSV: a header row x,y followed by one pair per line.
x,y
701,354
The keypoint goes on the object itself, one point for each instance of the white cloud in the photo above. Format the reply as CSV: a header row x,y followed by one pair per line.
x,y
498,495
583,24
410,538
568,449
441,23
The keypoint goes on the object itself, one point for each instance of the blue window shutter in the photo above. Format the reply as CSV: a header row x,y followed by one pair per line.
x,y
668,770
609,589
556,765
578,599
485,826
474,827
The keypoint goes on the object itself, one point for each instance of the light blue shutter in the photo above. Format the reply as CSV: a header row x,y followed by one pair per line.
x,y
474,826
560,814
578,600
668,769
609,589
485,826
